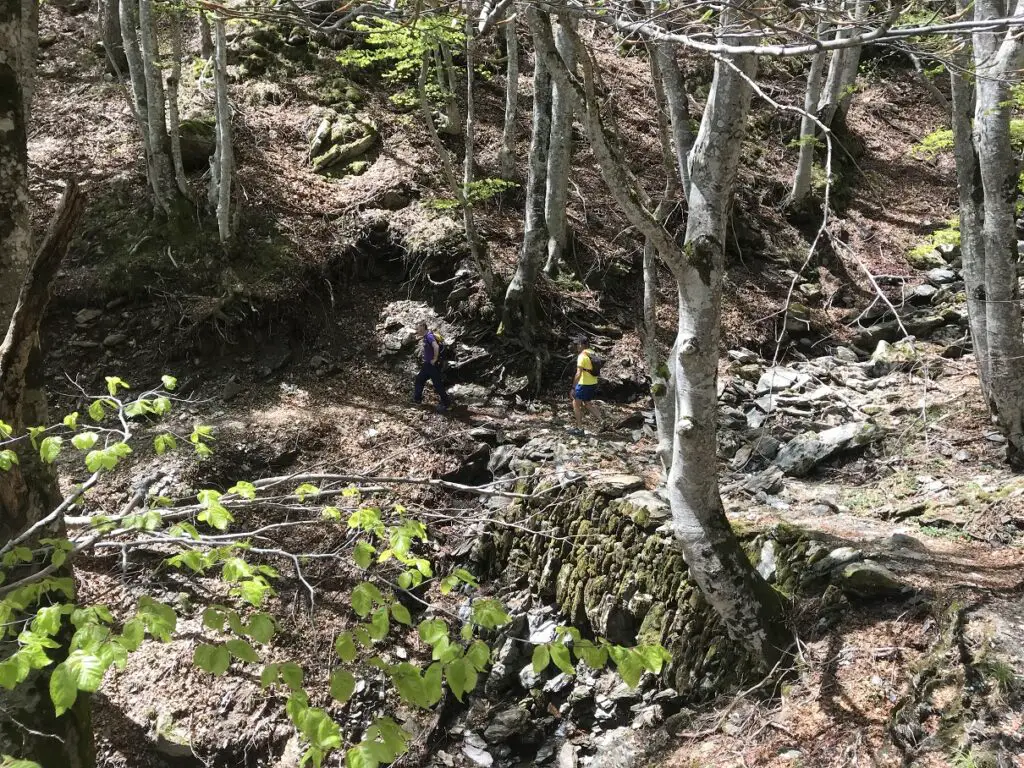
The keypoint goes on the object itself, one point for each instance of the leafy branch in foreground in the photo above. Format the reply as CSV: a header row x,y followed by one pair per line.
x,y
38,612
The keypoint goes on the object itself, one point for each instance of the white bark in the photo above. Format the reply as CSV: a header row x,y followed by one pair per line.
x,y
998,60
478,248
507,153
559,153
156,111
842,70
446,79
808,128
224,153
664,56
518,308
172,106
750,609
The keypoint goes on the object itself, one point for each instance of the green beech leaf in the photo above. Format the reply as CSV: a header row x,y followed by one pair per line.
x,y
242,651
170,383
345,648
214,659
292,675
261,628
8,459
269,675
560,655
243,489
343,685
541,658
84,441
401,614
63,690
489,614
50,449
461,677
363,554
114,383
86,670
163,443
432,631
379,624
479,655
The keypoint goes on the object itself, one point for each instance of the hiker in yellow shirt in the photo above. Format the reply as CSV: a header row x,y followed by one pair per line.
x,y
584,386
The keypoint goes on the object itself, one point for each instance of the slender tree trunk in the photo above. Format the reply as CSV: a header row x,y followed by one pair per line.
x,y
156,109
662,384
477,247
559,155
172,106
998,60
224,154
808,128
110,34
137,83
751,610
664,56
206,49
842,70
447,80
507,153
518,312
476,250
972,211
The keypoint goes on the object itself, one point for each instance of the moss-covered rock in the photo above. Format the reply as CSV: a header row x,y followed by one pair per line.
x,y
340,139
198,141
613,568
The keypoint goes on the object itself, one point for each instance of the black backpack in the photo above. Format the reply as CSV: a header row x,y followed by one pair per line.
x,y
596,363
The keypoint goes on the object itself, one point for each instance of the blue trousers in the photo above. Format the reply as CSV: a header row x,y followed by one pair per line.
x,y
433,374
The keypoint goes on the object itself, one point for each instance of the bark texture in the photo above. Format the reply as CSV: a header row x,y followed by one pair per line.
x,y
559,154
808,129
110,34
507,153
223,162
161,165
518,314
988,174
172,106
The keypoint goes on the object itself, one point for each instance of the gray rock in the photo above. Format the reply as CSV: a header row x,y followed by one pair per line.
x,y
528,678
869,579
84,316
470,394
950,252
198,141
475,748
567,756
886,358
767,566
779,378
903,541
923,294
626,748
655,508
506,724
115,339
231,390
941,276
842,556
616,484
846,355
921,326
805,452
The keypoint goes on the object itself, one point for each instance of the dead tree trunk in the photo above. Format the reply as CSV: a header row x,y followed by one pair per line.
x,y
751,610
518,312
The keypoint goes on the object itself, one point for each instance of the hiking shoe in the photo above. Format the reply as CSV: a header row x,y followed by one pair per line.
x,y
575,432
442,408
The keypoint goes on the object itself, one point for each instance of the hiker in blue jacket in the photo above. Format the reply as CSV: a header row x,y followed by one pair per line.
x,y
431,369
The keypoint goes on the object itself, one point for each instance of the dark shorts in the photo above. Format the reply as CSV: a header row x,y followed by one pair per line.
x,y
586,392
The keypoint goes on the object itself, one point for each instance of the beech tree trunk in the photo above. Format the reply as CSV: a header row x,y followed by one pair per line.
x,y
988,173
29,51
752,611
808,129
842,69
559,154
223,163
110,34
663,56
173,80
156,109
518,312
507,153
205,37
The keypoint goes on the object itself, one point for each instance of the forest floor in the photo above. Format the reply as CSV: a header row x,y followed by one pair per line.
x,y
324,397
